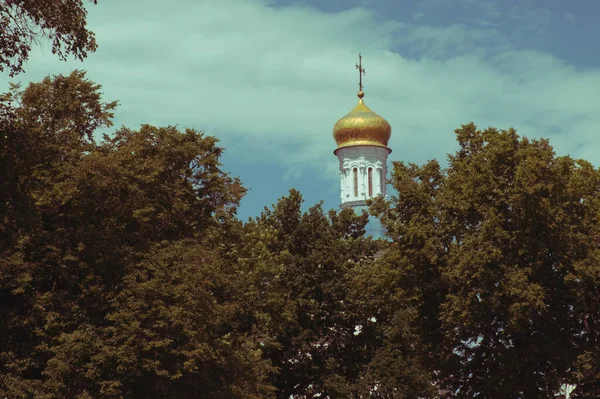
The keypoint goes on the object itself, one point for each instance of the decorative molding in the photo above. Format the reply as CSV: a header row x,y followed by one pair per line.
x,y
362,158
352,204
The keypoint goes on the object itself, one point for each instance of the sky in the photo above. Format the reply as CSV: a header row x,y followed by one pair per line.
x,y
270,78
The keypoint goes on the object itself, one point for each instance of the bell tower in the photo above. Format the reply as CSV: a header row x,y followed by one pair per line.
x,y
362,137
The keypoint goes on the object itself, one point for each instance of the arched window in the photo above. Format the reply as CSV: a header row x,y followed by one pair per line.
x,y
355,172
370,182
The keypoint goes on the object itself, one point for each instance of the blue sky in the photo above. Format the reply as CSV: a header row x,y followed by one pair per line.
x,y
271,78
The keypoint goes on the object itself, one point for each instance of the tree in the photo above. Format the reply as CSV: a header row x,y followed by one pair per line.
x,y
117,281
321,338
25,22
494,262
46,128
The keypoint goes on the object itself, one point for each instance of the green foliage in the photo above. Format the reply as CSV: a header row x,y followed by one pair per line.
x,y
494,260
312,318
104,289
25,22
46,129
124,272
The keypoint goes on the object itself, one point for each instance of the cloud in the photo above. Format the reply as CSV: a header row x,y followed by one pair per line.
x,y
531,18
523,17
429,4
570,17
418,15
271,82
489,8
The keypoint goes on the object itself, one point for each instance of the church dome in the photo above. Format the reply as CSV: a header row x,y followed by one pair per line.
x,y
361,126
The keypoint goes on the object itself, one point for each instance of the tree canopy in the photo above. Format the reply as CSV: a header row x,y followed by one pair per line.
x,y
24,23
495,260
125,272
107,250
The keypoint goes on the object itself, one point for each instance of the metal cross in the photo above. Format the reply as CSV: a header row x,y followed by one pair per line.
x,y
361,71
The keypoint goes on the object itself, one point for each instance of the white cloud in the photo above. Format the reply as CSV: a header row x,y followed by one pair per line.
x,y
271,82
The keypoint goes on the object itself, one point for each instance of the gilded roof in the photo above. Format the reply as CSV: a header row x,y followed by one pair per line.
x,y
361,126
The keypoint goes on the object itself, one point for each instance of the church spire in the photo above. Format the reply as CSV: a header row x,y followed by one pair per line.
x,y
362,149
361,73
361,126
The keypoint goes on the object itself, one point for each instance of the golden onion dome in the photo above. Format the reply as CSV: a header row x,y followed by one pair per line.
x,y
361,126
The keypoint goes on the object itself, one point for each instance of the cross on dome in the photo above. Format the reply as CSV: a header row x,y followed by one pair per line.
x,y
361,72
362,150
362,126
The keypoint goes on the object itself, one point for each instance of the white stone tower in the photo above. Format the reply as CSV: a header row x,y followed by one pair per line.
x,y
362,137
